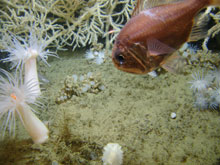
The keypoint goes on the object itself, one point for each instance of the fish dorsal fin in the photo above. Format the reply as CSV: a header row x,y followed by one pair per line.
x,y
153,3
155,47
138,8
146,4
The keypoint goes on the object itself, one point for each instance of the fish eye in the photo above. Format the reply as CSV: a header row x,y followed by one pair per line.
x,y
120,58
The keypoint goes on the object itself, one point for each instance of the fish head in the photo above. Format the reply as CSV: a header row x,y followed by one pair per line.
x,y
130,59
141,58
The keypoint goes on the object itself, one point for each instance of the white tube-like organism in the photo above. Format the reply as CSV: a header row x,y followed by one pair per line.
x,y
16,99
24,53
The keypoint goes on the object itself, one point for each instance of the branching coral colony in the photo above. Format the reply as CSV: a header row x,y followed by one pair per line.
x,y
72,23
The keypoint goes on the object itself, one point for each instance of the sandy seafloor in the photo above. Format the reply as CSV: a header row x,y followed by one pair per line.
x,y
133,111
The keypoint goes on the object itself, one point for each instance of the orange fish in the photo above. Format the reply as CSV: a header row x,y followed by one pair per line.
x,y
152,35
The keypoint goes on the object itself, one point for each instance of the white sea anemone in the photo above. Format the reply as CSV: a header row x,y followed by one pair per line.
x,y
22,52
199,83
100,57
15,100
216,95
216,75
97,56
113,155
89,54
201,102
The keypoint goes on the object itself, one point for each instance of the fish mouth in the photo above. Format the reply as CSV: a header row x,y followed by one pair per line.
x,y
133,70
128,69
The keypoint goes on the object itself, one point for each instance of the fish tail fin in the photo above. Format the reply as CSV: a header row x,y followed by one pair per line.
x,y
215,2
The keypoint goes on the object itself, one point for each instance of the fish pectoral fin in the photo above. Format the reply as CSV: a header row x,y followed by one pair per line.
x,y
174,63
155,48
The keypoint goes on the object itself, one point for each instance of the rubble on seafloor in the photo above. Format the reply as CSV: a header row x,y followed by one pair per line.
x,y
78,85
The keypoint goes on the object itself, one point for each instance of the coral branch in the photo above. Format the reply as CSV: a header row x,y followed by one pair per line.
x,y
72,23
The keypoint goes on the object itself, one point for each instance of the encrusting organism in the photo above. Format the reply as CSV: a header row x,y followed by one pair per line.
x,y
16,98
